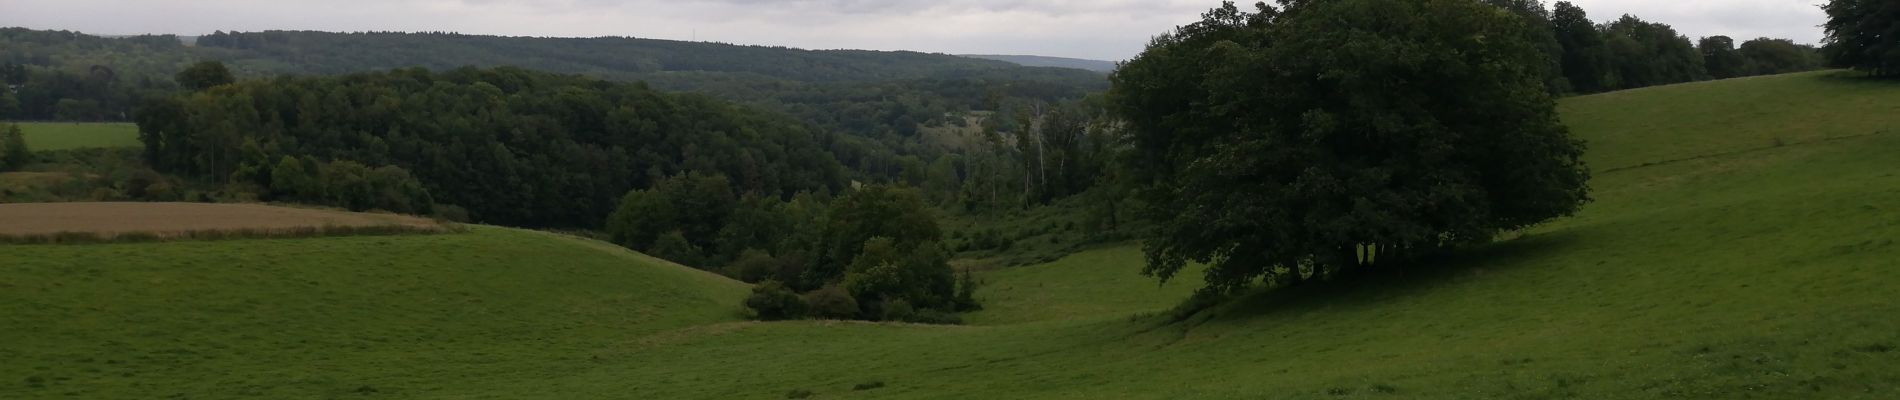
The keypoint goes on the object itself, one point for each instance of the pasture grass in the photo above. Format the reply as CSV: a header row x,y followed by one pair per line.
x,y
77,135
1711,266
467,314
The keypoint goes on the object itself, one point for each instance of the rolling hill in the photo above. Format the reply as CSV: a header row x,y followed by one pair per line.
x,y
1044,61
1738,247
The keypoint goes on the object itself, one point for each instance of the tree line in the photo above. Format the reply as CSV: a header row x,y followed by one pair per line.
x,y
1628,52
510,146
1864,35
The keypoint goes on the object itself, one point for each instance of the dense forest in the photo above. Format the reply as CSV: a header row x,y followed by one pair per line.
x,y
511,146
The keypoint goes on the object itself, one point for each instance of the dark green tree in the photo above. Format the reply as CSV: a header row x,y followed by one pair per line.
x,y
13,151
1644,53
205,75
1864,35
1585,59
1273,144
772,301
1765,56
674,247
892,212
1542,34
1721,58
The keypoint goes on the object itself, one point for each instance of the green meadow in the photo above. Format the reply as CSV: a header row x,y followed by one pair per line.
x,y
1740,245
76,135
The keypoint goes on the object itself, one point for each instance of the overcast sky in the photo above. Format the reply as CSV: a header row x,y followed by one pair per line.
x,y
1097,29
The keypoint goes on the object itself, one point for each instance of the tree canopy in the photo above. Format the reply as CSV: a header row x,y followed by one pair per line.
x,y
511,146
205,75
1276,144
1864,35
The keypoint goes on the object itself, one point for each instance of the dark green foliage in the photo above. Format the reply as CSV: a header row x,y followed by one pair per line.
x,y
798,394
1586,59
914,277
895,310
1765,56
895,213
1721,58
1864,35
512,146
772,301
13,151
205,75
1278,141
695,205
965,299
753,265
875,246
867,385
673,246
1644,53
1538,19
876,100
832,302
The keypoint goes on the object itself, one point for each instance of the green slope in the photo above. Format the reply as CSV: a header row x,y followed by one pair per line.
x,y
1725,268
306,318
1739,271
73,135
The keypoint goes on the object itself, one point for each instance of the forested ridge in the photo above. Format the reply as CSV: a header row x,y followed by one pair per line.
x,y
512,146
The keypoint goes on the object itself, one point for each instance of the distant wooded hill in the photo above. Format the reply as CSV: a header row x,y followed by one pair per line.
x,y
1042,61
876,99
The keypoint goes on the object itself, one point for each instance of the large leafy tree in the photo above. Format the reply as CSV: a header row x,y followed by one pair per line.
x,y
1864,35
1283,143
1533,12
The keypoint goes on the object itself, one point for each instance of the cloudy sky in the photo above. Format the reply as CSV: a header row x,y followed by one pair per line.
x,y
1098,29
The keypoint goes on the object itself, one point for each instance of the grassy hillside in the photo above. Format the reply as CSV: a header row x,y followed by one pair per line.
x,y
1726,268
461,314
1752,275
76,135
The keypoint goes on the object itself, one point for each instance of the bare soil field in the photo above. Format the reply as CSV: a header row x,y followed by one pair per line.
x,y
165,220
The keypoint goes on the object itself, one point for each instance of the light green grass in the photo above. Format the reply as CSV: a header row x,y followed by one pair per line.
x,y
77,135
1740,270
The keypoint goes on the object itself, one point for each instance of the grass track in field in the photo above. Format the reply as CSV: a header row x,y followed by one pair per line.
x,y
75,135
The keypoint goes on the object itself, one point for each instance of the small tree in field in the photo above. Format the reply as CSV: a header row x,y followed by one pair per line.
x,y
1276,145
13,151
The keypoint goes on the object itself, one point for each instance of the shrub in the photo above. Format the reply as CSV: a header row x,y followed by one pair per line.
x,y
868,386
965,299
772,301
896,310
674,247
450,212
798,394
832,302
753,265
